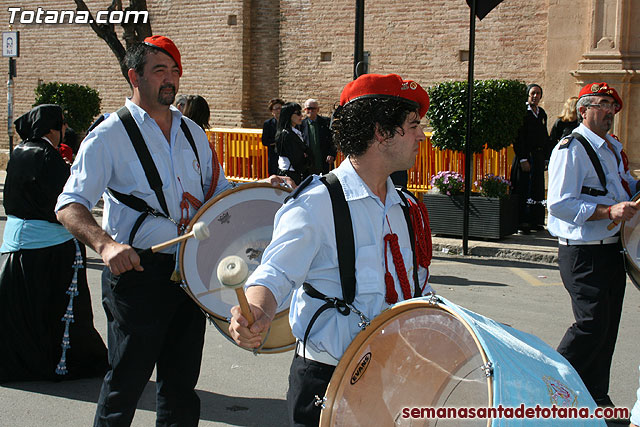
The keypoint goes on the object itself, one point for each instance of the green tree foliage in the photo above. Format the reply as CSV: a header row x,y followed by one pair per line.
x,y
81,104
498,107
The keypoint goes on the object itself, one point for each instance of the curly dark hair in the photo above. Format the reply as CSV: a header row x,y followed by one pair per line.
x,y
354,125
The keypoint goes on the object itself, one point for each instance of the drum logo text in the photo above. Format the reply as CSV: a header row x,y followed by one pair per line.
x,y
362,366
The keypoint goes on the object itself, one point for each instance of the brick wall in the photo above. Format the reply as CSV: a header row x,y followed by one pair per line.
x,y
275,46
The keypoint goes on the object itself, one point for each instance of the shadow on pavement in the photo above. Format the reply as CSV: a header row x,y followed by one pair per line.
x,y
214,407
459,281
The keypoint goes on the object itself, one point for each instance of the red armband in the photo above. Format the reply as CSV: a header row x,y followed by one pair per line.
x,y
609,212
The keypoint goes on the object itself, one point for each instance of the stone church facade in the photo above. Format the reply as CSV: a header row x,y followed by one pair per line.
x,y
240,53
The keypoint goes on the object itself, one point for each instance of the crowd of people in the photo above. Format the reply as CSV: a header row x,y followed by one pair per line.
x,y
331,244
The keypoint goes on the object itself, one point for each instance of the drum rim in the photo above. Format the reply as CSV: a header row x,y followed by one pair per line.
x,y
627,257
185,285
195,219
327,414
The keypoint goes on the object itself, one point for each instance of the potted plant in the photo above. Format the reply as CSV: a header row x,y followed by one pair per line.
x,y
498,108
492,211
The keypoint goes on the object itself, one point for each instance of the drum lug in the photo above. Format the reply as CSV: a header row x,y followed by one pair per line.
x,y
433,299
183,285
320,402
624,251
488,369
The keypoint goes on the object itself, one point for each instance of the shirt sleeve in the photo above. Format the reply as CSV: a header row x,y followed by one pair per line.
x,y
90,174
287,260
565,187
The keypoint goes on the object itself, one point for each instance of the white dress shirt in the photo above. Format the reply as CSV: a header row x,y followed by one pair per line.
x,y
570,169
107,159
303,249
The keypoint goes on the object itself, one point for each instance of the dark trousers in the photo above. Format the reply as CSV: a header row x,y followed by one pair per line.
x,y
595,278
151,323
307,379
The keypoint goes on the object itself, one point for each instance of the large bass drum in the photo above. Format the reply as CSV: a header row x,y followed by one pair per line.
x,y
630,234
240,222
430,353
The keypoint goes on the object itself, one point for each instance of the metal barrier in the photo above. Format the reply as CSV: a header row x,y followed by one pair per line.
x,y
244,159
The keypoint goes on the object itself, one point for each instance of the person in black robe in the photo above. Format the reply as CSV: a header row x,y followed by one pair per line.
x,y
532,150
567,121
46,320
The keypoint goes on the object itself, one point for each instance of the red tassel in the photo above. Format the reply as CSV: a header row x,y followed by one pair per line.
x,y
392,296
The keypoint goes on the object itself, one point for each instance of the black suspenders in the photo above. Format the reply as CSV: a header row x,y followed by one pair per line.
x,y
346,256
596,165
150,171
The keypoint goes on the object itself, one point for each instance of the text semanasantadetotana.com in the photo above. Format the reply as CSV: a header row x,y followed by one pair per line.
x,y
519,412
18,15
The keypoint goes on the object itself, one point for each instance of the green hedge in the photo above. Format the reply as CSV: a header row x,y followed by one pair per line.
x,y
498,107
81,104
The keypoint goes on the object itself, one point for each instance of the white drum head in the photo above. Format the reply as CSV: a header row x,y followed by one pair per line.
x,y
414,355
240,222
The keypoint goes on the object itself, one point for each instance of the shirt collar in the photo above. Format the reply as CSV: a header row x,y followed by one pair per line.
x,y
48,140
591,136
141,115
355,188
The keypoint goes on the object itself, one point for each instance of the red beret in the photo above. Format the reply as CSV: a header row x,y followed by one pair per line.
x,y
601,89
389,86
165,45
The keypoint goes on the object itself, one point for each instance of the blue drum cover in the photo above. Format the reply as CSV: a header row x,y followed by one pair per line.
x,y
527,371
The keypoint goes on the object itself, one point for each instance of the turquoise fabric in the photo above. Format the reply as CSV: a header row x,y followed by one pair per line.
x,y
527,371
32,234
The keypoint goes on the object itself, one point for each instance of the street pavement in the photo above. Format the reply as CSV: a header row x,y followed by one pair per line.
x,y
514,281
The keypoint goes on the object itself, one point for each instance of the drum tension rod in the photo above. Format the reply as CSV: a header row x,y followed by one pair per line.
x,y
320,402
488,369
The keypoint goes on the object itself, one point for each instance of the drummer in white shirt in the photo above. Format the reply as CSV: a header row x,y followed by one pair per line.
x,y
586,193
377,125
152,322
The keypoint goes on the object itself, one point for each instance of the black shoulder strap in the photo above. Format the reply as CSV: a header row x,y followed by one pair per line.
x,y
412,237
192,143
142,151
344,237
596,164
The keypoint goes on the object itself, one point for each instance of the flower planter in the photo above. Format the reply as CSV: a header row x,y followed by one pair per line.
x,y
489,218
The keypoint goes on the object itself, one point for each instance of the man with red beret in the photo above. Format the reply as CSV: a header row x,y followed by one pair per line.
x,y
333,236
148,157
589,188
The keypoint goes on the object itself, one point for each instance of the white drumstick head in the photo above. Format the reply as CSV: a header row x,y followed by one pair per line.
x,y
232,271
200,231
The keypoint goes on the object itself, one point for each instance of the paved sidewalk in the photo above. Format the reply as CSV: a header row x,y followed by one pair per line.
x,y
539,247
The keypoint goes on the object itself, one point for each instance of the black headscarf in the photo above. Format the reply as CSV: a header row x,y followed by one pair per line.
x,y
39,121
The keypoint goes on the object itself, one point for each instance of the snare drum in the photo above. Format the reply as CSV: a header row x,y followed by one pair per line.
x,y
240,223
630,234
430,353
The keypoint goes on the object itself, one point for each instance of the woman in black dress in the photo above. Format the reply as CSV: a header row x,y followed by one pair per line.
x,y
294,157
46,320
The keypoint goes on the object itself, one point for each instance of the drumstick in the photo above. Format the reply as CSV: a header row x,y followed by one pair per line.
x,y
614,223
200,231
232,273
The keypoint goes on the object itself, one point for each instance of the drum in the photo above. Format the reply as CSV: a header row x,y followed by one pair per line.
x,y
430,353
240,222
630,234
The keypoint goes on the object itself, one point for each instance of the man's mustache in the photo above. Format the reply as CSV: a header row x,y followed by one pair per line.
x,y
167,86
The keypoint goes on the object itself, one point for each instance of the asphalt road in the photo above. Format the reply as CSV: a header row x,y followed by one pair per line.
x,y
240,389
